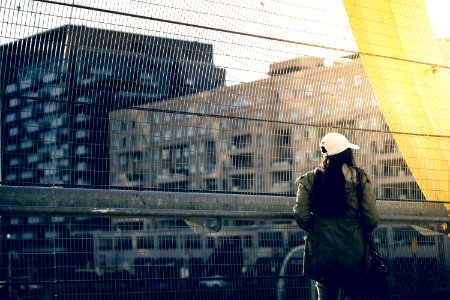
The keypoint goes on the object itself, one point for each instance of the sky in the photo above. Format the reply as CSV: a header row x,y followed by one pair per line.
x,y
247,41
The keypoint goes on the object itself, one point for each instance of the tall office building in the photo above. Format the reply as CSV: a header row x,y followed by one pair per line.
x,y
56,90
58,86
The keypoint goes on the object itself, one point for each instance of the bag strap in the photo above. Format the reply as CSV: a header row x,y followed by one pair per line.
x,y
373,249
359,190
314,192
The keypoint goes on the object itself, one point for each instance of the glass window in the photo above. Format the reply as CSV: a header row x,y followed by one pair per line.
x,y
131,225
167,117
13,102
104,244
11,88
357,80
80,134
28,235
359,103
308,155
280,116
26,112
123,243
193,242
248,241
293,93
35,220
14,131
306,134
123,159
270,239
145,242
297,156
167,242
82,166
259,139
309,90
259,98
211,243
58,219
179,132
10,118
340,84
51,235
293,115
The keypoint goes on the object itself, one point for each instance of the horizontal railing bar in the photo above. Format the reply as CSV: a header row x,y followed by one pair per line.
x,y
110,203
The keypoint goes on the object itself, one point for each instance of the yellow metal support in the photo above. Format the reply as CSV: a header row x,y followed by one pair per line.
x,y
402,60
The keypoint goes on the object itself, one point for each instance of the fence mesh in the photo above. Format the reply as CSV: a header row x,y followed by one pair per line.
x,y
74,257
212,98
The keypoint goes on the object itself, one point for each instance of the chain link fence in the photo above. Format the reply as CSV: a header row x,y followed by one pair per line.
x,y
149,149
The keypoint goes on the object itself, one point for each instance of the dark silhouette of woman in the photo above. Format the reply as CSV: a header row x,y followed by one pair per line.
x,y
327,207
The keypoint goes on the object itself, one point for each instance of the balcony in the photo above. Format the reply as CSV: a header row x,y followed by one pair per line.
x,y
171,176
15,162
32,126
282,164
33,158
399,178
242,161
128,180
242,182
26,83
50,77
281,187
241,142
85,82
27,175
11,177
26,144
11,88
388,156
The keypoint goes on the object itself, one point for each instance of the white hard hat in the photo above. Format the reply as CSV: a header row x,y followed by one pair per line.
x,y
334,143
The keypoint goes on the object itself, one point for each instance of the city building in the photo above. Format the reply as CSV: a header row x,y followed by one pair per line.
x,y
258,137
57,88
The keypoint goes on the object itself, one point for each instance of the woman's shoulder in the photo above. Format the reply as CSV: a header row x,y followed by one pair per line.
x,y
354,174
307,178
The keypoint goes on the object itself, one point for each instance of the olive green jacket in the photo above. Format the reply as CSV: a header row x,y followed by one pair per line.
x,y
335,247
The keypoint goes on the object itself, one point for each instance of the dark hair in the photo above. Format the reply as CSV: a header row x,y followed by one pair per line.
x,y
329,195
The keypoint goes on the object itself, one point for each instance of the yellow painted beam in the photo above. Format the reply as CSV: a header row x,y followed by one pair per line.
x,y
399,52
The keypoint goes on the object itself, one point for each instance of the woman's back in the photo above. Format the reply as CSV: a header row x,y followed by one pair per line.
x,y
336,206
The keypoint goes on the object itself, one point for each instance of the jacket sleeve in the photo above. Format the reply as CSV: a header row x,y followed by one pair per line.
x,y
302,208
369,213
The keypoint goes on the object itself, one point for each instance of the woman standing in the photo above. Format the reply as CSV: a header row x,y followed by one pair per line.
x,y
336,206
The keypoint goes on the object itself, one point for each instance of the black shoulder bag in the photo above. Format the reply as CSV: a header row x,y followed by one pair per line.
x,y
376,283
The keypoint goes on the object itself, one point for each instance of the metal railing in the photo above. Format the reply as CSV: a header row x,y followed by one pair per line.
x,y
73,243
